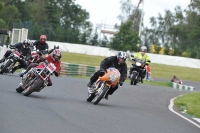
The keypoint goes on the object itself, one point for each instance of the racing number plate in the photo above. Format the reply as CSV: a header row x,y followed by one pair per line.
x,y
51,67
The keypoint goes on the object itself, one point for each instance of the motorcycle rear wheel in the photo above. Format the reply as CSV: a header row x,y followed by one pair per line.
x,y
5,67
101,95
35,86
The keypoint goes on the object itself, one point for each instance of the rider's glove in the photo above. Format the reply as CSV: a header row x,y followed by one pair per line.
x,y
56,73
12,46
120,83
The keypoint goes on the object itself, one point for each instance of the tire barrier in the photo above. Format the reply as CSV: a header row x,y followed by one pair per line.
x,y
77,69
182,87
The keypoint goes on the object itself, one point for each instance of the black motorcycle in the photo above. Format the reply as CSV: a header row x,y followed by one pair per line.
x,y
8,65
138,68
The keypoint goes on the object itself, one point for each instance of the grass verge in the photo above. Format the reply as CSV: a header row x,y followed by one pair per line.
x,y
191,102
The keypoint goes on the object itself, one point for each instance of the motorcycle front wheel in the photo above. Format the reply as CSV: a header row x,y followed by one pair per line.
x,y
90,97
19,89
133,79
35,86
100,95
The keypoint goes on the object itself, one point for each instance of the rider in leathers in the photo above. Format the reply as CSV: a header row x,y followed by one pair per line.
x,y
41,44
21,47
117,62
54,58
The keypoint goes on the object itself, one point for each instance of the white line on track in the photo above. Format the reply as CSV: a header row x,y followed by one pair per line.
x,y
171,109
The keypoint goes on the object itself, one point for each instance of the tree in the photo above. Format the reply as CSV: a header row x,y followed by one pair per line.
x,y
125,39
94,40
9,15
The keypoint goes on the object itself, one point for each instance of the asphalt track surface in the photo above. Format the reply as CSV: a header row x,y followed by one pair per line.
x,y
63,108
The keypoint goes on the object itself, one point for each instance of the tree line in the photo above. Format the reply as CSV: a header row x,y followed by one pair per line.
x,y
175,33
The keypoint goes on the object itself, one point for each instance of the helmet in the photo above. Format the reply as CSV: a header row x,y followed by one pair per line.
x,y
143,50
174,76
56,46
43,39
26,43
56,54
121,57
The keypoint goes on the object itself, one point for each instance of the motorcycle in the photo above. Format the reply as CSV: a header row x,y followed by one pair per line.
x,y
9,63
100,88
138,67
36,78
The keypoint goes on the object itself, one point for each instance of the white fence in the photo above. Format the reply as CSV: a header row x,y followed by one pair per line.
x,y
155,58
100,51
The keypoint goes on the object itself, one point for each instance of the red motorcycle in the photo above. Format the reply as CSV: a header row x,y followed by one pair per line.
x,y
36,78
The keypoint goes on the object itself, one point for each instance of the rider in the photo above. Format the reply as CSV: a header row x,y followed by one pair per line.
x,y
41,44
54,58
21,47
143,56
119,62
174,78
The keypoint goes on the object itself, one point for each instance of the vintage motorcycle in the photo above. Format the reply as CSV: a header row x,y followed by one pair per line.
x,y
9,63
138,67
102,85
36,78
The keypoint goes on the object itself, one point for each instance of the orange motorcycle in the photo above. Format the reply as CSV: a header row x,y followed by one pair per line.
x,y
103,84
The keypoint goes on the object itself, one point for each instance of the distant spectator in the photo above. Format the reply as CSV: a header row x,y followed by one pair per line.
x,y
148,73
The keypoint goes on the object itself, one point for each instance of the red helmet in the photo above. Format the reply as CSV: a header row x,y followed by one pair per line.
x,y
56,54
43,39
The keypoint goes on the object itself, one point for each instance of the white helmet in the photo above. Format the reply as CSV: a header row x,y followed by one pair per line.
x,y
121,57
143,49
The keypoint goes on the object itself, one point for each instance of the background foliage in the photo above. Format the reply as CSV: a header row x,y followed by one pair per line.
x,y
174,33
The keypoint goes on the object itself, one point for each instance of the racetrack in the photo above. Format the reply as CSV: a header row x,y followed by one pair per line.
x,y
62,108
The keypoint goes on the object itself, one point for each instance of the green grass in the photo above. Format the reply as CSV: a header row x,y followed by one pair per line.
x,y
158,70
158,83
192,103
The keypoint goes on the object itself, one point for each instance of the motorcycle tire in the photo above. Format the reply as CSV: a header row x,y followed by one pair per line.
x,y
8,63
133,80
35,86
90,97
19,89
101,95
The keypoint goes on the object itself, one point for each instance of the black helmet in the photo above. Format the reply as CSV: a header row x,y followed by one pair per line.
x,y
56,46
26,43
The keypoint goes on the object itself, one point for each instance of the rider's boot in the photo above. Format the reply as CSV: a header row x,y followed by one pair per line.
x,y
106,96
21,74
89,84
14,69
